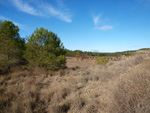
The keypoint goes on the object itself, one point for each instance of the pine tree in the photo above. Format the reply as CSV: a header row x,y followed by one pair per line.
x,y
44,49
11,45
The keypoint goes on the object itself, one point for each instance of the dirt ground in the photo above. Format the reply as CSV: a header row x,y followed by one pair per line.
x,y
73,62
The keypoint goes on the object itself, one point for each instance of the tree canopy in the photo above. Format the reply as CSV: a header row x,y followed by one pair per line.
x,y
44,49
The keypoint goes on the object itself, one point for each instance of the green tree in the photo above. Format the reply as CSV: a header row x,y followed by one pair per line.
x,y
44,49
11,45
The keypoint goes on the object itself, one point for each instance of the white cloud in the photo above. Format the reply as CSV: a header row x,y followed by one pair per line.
x,y
61,12
44,9
61,15
16,23
24,7
101,23
20,25
96,19
103,28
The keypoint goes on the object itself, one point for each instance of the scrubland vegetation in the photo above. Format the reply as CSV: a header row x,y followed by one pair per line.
x,y
35,78
121,87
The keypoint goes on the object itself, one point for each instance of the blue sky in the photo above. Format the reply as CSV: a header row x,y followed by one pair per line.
x,y
88,25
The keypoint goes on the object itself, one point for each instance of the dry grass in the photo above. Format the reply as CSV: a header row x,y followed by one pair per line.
x,y
73,62
118,87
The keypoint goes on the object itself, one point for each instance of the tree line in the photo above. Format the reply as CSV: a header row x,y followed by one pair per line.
x,y
42,49
77,53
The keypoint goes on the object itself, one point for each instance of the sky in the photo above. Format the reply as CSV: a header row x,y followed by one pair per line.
x,y
87,25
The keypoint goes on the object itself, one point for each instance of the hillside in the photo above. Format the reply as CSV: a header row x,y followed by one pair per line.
x,y
119,87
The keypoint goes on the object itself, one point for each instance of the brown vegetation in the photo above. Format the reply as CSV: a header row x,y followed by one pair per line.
x,y
118,87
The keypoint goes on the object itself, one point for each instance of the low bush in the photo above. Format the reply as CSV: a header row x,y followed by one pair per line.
x,y
100,60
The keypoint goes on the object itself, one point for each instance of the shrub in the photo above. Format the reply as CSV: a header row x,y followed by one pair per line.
x,y
44,49
100,60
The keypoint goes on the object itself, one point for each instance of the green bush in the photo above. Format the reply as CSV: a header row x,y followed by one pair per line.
x,y
100,60
45,50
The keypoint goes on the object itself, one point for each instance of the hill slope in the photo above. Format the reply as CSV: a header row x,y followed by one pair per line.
x,y
118,87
